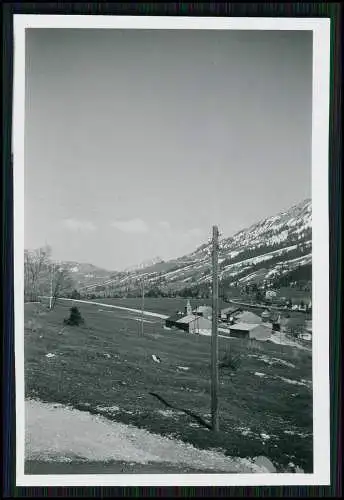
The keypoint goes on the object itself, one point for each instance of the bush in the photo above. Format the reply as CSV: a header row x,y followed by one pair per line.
x,y
75,318
230,361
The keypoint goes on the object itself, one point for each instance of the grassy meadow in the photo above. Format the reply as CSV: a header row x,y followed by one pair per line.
x,y
167,306
105,367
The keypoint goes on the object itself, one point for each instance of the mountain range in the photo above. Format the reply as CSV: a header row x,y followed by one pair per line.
x,y
275,250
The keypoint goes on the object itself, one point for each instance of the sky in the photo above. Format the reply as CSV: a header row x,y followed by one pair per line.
x,y
138,141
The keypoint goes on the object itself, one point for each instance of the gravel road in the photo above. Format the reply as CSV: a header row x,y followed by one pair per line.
x,y
63,440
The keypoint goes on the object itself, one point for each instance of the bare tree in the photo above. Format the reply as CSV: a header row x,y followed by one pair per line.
x,y
61,283
43,277
36,263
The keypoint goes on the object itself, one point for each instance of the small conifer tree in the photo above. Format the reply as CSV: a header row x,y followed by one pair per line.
x,y
75,318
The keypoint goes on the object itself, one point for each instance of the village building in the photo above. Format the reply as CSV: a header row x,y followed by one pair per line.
x,y
250,331
204,311
266,315
227,314
276,320
305,336
188,308
171,322
194,324
270,294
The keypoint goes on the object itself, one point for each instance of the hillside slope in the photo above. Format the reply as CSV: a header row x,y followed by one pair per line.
x,y
275,249
85,274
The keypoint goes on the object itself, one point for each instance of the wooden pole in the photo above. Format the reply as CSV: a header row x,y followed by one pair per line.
x,y
51,285
214,337
142,304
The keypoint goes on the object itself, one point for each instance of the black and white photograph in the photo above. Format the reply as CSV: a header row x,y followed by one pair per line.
x,y
172,251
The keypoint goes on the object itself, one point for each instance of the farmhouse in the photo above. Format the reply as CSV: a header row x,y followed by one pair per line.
x,y
305,336
193,324
250,331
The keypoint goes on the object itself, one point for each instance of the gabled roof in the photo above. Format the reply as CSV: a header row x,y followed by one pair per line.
x,y
248,317
244,326
199,320
188,319
174,317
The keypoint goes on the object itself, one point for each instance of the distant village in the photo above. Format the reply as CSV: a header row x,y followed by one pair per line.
x,y
240,323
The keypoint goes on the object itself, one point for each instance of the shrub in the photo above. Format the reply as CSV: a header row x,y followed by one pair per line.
x,y
75,318
230,361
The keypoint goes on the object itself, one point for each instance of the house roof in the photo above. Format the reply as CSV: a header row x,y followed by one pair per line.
x,y
174,317
188,319
197,319
244,326
248,317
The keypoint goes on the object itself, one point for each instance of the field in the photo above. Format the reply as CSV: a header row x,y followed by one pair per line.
x,y
165,306
169,306
106,367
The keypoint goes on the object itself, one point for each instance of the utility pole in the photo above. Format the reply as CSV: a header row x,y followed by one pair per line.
x,y
51,285
214,337
142,303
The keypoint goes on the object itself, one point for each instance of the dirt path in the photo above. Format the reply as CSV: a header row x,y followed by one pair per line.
x,y
75,440
111,306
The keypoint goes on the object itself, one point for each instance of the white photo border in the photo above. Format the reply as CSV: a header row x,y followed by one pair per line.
x,y
320,248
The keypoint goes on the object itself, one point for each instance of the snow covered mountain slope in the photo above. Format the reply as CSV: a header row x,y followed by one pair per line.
x,y
86,274
145,264
265,252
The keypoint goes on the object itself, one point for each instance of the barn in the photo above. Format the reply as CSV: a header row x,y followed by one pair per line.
x,y
193,324
250,331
